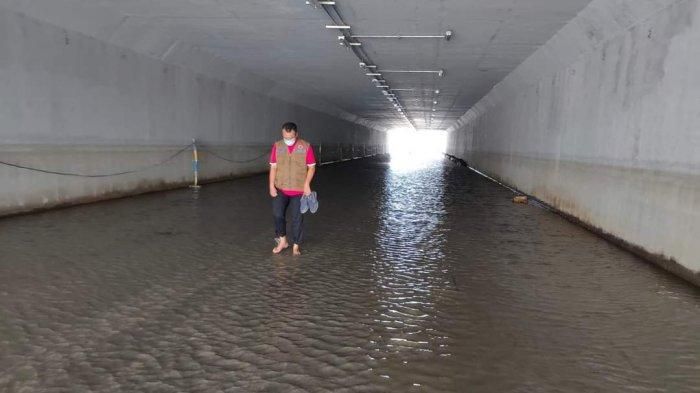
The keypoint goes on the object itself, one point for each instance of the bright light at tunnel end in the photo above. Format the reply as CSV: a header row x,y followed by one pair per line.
x,y
411,149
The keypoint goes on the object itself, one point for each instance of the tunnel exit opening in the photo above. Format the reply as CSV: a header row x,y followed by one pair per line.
x,y
411,149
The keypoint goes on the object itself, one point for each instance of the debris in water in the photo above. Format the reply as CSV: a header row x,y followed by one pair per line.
x,y
520,199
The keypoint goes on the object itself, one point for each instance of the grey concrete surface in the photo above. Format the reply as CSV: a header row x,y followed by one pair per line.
x,y
72,103
602,123
244,42
426,280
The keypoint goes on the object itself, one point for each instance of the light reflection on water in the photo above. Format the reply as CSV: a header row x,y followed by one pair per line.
x,y
407,265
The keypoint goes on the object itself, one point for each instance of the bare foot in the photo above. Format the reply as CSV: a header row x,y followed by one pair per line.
x,y
296,250
281,245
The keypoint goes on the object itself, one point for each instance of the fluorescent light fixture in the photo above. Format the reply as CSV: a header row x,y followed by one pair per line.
x,y
437,91
439,72
435,102
316,3
446,35
373,74
385,92
355,43
378,80
338,27
383,86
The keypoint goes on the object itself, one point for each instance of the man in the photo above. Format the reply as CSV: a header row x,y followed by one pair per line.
x,y
292,167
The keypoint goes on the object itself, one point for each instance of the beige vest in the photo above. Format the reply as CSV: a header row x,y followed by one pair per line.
x,y
291,167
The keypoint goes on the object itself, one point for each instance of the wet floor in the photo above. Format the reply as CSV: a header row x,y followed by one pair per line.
x,y
426,280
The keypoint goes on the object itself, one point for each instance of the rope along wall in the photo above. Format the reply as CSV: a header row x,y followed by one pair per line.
x,y
182,150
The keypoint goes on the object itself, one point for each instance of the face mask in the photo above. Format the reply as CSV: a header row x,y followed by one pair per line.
x,y
290,142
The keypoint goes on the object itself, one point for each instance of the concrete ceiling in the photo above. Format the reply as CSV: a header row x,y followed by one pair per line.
x,y
286,41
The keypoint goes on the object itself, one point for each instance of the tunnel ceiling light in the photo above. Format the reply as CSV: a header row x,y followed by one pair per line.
x,y
346,39
435,102
378,80
406,89
319,3
447,35
439,72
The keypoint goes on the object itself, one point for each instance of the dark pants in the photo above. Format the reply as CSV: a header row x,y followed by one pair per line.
x,y
280,203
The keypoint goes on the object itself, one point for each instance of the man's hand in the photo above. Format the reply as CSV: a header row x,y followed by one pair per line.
x,y
307,189
273,191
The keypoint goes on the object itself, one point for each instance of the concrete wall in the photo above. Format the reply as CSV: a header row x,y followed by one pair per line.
x,y
603,123
73,103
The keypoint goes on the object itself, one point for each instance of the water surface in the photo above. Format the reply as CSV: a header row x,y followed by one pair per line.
x,y
413,279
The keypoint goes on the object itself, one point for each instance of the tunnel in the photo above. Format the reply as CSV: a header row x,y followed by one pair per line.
x,y
497,196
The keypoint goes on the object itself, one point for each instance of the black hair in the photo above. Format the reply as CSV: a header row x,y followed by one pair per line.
x,y
289,126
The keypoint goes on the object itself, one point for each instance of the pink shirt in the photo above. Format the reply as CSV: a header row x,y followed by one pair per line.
x,y
310,161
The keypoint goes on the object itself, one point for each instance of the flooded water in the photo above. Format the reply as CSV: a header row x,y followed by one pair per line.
x,y
426,280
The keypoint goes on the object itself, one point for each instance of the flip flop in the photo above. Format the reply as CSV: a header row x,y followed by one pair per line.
x,y
304,204
313,202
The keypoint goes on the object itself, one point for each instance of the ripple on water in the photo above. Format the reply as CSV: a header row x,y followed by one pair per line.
x,y
427,279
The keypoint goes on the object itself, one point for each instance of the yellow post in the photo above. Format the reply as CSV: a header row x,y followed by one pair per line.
x,y
195,164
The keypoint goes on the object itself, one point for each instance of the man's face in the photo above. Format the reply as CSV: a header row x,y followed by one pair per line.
x,y
289,134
